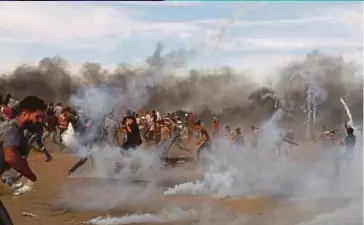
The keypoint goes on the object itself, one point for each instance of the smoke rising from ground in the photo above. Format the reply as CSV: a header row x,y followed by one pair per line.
x,y
319,79
316,83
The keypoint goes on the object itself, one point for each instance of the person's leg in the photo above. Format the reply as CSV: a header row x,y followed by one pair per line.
x,y
5,218
61,140
54,137
61,131
78,164
44,150
125,147
110,138
44,137
209,146
199,150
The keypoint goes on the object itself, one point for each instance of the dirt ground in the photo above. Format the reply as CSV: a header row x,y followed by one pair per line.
x,y
44,200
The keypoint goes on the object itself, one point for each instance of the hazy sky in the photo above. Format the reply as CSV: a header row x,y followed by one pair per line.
x,y
259,36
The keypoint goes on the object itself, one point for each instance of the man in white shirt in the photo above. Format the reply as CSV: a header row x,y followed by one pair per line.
x,y
58,109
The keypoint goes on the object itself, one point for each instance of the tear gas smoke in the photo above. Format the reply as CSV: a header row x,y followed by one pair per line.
x,y
174,214
315,93
348,113
232,173
217,91
202,215
236,173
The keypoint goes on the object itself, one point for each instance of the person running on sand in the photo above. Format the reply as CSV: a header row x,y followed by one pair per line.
x,y
254,136
228,134
63,121
179,136
205,141
111,130
51,125
13,144
165,137
238,138
349,143
35,136
81,132
215,127
133,138
148,117
158,132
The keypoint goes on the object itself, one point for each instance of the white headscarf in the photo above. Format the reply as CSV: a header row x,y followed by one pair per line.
x,y
158,116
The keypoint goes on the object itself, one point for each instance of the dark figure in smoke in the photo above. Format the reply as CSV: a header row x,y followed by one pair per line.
x,y
7,100
50,127
349,142
239,138
35,135
81,129
177,134
205,141
14,146
111,130
63,120
50,110
133,138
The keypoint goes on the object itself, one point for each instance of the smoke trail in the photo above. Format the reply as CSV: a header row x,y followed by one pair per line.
x,y
350,214
173,214
238,14
144,87
348,113
128,219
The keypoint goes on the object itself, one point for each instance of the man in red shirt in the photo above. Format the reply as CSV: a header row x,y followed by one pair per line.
x,y
5,113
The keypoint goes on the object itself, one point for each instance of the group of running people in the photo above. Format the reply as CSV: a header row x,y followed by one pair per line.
x,y
33,121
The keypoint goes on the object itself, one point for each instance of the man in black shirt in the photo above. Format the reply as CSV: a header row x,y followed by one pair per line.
x,y
349,142
133,138
13,146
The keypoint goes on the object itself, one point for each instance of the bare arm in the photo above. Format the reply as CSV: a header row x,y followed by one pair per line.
x,y
18,163
128,127
346,125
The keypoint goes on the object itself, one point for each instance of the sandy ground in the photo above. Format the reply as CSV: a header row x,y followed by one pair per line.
x,y
46,199
43,200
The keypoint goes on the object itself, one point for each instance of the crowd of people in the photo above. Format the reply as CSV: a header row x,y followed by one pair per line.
x,y
27,124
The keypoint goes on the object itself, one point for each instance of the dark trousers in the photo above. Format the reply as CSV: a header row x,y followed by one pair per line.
x,y
206,145
127,146
78,164
43,149
61,131
4,215
40,142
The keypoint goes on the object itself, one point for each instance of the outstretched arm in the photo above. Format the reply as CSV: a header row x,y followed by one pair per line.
x,y
18,163
346,125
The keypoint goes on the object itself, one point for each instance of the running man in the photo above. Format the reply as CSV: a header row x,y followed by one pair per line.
x,y
238,138
133,138
63,121
35,135
215,128
111,130
14,146
81,132
205,141
349,143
